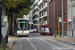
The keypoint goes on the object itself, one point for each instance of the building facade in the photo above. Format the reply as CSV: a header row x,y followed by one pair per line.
x,y
30,16
42,4
71,17
35,14
54,12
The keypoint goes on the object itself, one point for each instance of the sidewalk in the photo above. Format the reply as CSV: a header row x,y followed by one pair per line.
x,y
66,39
11,40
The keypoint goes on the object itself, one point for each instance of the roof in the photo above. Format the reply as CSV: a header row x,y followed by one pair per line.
x,y
22,19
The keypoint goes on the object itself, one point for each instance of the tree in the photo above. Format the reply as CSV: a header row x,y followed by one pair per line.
x,y
17,8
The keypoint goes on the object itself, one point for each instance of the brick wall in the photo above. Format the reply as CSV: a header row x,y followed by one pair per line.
x,y
50,16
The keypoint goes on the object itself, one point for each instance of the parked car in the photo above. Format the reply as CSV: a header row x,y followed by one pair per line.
x,y
35,30
48,31
42,31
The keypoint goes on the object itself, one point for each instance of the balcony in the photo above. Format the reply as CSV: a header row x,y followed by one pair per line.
x,y
35,13
44,22
41,1
45,15
35,3
35,23
35,8
44,7
35,19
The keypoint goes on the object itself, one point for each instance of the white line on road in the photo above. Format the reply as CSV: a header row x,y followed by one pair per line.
x,y
20,45
59,43
49,43
31,43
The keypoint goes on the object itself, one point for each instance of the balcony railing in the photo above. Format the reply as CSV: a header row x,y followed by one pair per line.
x,y
35,23
35,13
44,7
41,1
35,3
35,19
44,22
44,15
36,7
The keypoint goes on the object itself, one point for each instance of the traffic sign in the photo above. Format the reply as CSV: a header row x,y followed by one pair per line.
x,y
64,22
4,31
61,22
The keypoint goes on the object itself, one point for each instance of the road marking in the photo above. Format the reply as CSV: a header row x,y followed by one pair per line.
x,y
49,43
66,45
59,43
12,45
12,48
31,43
20,45
49,36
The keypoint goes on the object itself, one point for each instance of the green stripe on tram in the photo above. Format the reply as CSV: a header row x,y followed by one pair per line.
x,y
22,22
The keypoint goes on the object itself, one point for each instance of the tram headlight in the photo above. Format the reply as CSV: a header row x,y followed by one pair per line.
x,y
27,31
17,31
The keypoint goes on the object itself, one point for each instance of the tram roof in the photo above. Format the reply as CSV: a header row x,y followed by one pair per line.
x,y
22,19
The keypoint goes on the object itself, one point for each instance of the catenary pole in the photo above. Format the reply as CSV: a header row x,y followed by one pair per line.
x,y
62,20
57,17
72,19
54,19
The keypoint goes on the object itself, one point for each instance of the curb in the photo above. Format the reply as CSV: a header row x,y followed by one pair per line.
x,y
66,41
70,42
12,46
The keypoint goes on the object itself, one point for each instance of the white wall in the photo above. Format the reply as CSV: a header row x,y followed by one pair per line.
x,y
70,14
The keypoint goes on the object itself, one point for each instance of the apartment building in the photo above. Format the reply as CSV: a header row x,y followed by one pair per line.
x,y
42,4
55,11
71,17
35,14
30,16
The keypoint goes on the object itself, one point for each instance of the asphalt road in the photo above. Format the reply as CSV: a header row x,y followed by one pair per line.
x,y
39,42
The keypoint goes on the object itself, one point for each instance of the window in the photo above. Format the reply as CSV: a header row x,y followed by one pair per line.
x,y
42,14
23,25
42,5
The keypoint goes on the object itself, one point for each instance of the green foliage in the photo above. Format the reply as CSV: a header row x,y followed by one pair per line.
x,y
42,19
0,48
19,7
6,46
11,3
